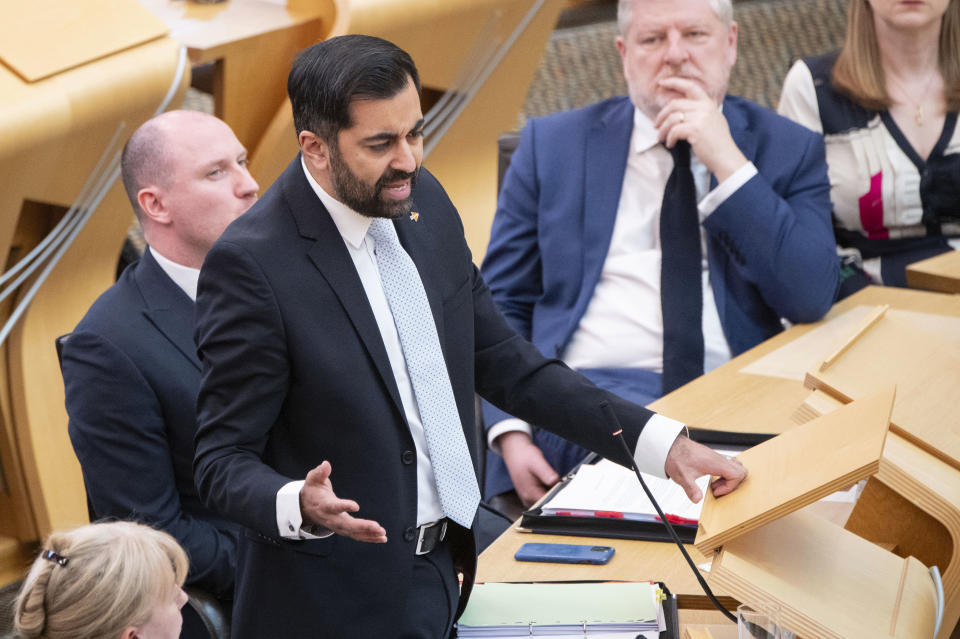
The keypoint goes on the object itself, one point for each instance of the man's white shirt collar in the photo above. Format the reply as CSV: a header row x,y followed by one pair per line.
x,y
183,276
352,225
644,135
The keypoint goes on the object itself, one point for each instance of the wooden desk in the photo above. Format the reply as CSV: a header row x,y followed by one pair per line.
x,y
723,399
633,561
726,399
940,273
719,626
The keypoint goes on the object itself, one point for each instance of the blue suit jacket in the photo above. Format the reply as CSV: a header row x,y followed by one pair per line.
x,y
131,376
770,245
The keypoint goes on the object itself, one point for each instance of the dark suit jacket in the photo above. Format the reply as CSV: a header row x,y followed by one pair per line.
x,y
295,372
769,245
131,375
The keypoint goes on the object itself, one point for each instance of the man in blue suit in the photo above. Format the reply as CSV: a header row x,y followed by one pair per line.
x,y
574,260
130,368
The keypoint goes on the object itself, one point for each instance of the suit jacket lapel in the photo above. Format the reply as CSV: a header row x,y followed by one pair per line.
x,y
605,157
167,307
331,257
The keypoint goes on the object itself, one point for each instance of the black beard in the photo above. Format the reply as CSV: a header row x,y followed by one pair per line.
x,y
367,200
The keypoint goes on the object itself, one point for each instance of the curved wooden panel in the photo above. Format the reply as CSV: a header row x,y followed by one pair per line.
x,y
53,133
252,43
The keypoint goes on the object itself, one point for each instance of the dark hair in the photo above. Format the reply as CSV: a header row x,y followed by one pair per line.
x,y
329,75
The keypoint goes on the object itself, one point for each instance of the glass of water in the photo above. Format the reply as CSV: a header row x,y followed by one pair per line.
x,y
760,622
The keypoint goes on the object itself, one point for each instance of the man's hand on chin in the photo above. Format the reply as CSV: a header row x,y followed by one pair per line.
x,y
696,118
688,460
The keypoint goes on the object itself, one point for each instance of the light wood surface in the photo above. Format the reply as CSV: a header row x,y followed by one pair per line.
x,y
939,273
875,316
632,561
53,131
910,507
67,39
903,508
15,559
729,399
798,468
920,354
919,513
253,43
828,582
710,621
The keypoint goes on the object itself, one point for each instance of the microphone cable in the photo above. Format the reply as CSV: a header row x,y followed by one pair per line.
x,y
618,433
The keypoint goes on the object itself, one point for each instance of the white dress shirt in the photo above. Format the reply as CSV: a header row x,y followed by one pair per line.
x,y
353,227
185,277
623,324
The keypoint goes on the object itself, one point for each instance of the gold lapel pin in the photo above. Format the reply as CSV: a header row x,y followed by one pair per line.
x,y
414,216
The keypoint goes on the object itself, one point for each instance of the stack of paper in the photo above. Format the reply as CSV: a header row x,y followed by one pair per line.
x,y
606,489
603,610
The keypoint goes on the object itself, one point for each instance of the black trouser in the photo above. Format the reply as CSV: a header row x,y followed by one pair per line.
x,y
433,594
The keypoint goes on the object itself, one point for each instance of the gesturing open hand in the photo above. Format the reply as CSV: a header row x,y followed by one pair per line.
x,y
320,505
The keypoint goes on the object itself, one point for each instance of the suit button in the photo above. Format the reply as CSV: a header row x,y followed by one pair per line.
x,y
407,457
409,534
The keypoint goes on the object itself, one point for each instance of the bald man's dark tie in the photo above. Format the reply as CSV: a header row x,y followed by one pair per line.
x,y
681,288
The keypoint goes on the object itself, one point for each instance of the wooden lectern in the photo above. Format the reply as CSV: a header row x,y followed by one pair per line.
x,y
912,505
827,581
907,517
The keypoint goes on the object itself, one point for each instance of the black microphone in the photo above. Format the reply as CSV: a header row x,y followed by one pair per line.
x,y
612,420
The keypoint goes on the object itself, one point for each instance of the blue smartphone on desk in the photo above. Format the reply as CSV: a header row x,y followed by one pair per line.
x,y
564,553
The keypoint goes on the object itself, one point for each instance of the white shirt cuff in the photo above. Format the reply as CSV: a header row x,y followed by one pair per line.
x,y
506,426
289,518
725,189
655,441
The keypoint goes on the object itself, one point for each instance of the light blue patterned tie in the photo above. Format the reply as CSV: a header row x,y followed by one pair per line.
x,y
452,465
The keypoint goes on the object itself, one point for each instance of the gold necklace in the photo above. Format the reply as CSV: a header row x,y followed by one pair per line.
x,y
918,115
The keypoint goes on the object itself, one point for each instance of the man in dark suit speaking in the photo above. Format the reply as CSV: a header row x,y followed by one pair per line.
x,y
130,367
343,331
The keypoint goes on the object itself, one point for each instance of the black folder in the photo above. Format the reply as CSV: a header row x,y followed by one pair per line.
x,y
535,521
670,615
612,528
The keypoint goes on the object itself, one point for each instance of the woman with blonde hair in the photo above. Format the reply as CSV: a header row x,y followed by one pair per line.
x,y
118,580
887,105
